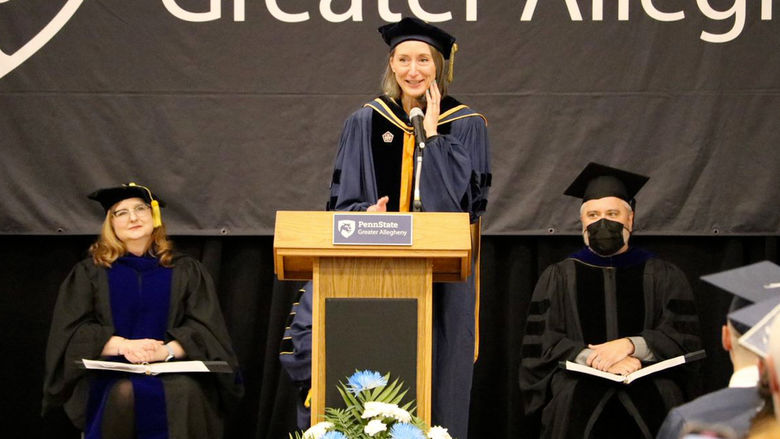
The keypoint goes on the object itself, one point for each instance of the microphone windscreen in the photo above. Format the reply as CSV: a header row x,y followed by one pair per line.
x,y
416,111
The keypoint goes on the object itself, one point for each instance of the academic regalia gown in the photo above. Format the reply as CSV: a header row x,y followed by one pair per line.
x,y
456,167
375,160
591,299
83,322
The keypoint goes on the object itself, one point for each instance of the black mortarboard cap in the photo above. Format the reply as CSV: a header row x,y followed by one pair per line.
x,y
412,28
107,197
757,284
599,181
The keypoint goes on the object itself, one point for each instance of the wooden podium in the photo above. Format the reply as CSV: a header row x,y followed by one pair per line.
x,y
440,252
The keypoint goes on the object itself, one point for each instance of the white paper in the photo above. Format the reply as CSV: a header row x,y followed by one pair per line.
x,y
148,368
627,379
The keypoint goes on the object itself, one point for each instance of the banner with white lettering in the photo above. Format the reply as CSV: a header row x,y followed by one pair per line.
x,y
232,109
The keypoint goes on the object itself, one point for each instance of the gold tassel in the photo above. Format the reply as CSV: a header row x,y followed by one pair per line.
x,y
451,73
307,402
156,215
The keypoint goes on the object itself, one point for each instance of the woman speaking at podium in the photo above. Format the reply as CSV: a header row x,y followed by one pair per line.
x,y
135,300
375,171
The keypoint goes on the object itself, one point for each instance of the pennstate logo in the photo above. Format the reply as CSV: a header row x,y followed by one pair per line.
x,y
346,227
12,61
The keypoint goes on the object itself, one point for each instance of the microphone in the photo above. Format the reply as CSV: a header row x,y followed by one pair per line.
x,y
417,116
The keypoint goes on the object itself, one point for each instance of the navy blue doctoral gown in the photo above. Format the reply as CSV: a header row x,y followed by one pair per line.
x,y
455,178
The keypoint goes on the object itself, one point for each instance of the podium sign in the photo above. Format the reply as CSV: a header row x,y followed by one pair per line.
x,y
372,229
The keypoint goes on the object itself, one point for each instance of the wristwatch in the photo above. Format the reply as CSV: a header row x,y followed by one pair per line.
x,y
170,352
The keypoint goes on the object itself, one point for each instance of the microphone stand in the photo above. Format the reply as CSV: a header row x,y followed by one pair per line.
x,y
416,116
417,203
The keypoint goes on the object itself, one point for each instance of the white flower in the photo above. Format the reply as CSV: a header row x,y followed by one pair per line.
x,y
401,415
317,430
438,433
373,409
374,427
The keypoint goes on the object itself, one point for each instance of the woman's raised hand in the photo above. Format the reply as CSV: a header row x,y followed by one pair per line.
x,y
432,109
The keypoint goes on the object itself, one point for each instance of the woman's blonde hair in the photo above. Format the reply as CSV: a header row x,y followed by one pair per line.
x,y
108,248
391,88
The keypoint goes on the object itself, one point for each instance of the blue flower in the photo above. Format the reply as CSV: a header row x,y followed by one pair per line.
x,y
406,431
365,380
334,435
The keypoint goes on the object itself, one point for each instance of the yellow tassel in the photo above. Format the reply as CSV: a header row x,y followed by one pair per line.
x,y
307,402
451,73
156,217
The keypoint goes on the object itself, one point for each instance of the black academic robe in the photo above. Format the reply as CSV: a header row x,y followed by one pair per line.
x,y
590,299
455,177
82,324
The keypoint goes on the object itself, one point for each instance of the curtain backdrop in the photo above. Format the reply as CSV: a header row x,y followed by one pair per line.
x,y
256,306
232,109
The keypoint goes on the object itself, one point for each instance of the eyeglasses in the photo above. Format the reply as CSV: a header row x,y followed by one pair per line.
x,y
141,210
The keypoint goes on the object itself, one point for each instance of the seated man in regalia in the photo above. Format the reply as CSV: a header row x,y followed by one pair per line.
x,y
613,307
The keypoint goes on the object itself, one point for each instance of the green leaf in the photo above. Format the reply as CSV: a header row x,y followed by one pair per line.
x,y
397,399
417,422
410,407
388,393
344,422
353,405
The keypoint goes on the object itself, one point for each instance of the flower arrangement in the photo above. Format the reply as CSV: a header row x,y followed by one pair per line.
x,y
372,412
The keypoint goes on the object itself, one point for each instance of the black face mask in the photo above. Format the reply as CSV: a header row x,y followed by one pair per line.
x,y
605,237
